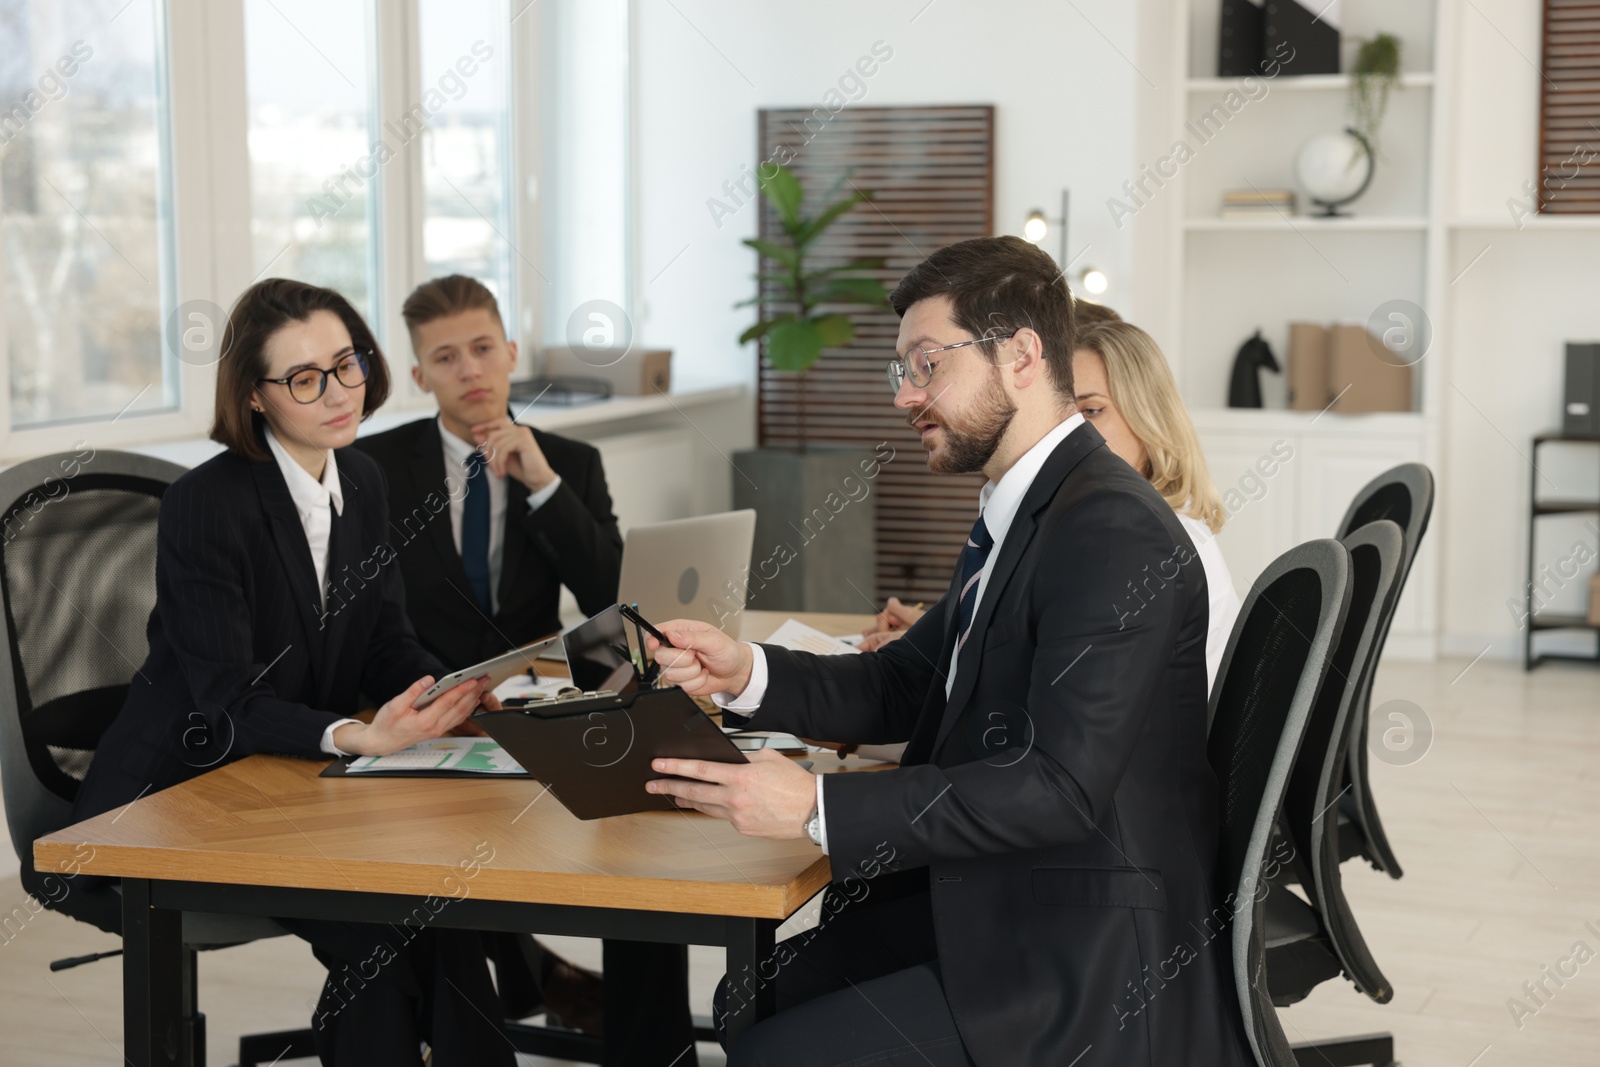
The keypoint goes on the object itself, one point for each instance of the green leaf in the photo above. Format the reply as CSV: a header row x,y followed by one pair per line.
x,y
816,226
784,254
794,345
851,291
761,329
835,330
855,264
783,189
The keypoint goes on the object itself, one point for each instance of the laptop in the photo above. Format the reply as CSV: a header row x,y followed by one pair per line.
x,y
695,568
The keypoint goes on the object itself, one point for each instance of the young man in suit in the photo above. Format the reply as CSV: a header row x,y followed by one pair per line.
x,y
490,518
1032,885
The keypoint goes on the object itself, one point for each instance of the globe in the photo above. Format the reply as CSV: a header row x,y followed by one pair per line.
x,y
1333,168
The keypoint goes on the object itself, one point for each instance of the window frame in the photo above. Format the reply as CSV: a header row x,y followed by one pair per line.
x,y
207,206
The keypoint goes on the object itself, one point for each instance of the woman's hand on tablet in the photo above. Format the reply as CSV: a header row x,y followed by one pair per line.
x,y
398,725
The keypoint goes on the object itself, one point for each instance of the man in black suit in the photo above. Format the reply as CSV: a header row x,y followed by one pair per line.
x,y
1034,885
484,566
490,519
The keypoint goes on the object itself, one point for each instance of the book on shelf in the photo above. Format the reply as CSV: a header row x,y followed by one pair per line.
x,y
1246,203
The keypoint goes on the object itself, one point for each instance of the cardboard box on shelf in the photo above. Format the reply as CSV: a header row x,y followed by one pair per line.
x,y
1308,367
1362,379
631,372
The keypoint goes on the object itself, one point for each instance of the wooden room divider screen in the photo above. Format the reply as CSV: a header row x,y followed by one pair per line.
x,y
1569,109
931,173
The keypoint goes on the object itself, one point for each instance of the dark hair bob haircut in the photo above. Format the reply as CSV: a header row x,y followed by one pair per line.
x,y
261,311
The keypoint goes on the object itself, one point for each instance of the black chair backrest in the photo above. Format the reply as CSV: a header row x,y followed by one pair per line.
x,y
1311,814
1277,657
1404,496
77,582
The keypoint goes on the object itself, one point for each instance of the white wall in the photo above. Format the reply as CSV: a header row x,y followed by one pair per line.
x,y
1511,311
1063,94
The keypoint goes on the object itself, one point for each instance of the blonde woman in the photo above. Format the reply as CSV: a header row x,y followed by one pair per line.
x,y
1125,388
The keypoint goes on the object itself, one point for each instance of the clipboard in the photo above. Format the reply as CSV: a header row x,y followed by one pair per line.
x,y
594,753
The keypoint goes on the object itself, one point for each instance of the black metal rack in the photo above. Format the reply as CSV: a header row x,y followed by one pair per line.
x,y
1537,509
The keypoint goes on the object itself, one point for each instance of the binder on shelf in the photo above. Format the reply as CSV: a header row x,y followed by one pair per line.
x,y
1239,45
1313,34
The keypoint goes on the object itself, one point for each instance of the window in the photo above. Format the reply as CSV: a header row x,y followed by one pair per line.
x,y
313,159
85,214
585,91
466,164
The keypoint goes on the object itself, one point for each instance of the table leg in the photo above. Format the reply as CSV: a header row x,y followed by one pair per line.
x,y
153,980
752,993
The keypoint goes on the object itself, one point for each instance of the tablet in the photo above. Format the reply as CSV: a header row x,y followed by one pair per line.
x,y
497,670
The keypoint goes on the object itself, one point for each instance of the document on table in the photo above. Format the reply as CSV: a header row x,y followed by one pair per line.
x,y
796,635
468,755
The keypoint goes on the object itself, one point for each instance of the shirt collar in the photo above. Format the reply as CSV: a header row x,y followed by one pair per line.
x,y
455,449
998,501
306,491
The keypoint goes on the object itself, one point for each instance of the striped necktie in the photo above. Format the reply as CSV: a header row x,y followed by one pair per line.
x,y
979,542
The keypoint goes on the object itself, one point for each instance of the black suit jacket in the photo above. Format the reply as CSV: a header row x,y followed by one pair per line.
x,y
572,540
1060,798
244,658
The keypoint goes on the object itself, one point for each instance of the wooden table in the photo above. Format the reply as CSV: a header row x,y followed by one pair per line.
x,y
267,836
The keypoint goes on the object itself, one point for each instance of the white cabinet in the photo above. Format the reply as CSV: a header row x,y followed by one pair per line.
x,y
1286,479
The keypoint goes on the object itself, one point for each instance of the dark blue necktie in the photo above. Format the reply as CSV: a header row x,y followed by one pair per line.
x,y
979,542
475,530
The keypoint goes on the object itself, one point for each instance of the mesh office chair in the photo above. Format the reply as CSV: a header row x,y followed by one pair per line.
x,y
1404,496
1308,944
1274,666
77,581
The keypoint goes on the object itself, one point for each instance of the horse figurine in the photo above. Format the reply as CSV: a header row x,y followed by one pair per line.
x,y
1244,388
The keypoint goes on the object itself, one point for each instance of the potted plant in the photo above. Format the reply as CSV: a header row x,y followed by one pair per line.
x,y
1375,74
792,327
803,494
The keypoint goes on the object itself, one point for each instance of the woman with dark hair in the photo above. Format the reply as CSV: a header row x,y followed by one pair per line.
x,y
277,612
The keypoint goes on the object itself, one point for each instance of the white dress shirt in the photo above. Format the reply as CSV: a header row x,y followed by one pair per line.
x,y
1224,598
997,503
315,502
456,454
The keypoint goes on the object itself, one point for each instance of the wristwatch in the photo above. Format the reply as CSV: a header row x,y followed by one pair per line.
x,y
814,827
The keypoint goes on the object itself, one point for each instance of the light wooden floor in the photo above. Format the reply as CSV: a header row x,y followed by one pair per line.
x,y
1497,826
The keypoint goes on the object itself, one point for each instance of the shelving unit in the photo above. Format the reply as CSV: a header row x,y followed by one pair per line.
x,y
1538,509
1227,277
1310,82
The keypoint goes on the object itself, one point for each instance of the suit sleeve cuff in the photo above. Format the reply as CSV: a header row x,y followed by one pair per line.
x,y
822,815
542,497
327,737
750,699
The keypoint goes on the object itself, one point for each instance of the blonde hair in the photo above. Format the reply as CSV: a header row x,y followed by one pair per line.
x,y
1143,390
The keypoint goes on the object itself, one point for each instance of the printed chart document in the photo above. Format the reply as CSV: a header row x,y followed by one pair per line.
x,y
796,635
467,755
